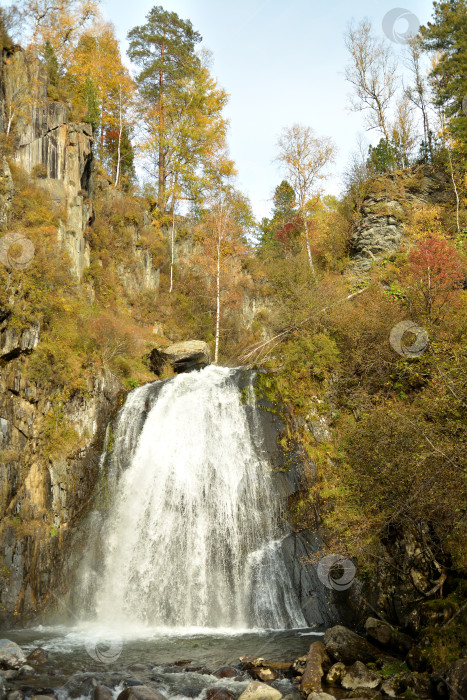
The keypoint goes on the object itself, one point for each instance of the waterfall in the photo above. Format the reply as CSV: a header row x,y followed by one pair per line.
x,y
193,535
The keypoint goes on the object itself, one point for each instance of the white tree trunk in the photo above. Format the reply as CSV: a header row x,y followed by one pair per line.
x,y
11,114
120,132
308,249
172,250
455,188
218,297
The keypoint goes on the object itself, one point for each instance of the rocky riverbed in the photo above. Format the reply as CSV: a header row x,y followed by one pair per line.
x,y
383,663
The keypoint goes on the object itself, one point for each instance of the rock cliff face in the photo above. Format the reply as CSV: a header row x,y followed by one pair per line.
x,y
47,145
42,498
380,229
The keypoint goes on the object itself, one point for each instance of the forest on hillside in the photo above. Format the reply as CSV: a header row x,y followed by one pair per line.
x,y
289,293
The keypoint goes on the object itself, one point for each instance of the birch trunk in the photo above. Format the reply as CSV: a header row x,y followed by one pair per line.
x,y
218,298
172,250
119,148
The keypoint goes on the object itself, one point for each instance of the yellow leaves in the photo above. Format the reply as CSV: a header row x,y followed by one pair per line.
x,y
61,22
426,221
97,57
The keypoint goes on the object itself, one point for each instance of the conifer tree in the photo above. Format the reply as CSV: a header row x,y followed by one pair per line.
x,y
284,212
164,50
447,34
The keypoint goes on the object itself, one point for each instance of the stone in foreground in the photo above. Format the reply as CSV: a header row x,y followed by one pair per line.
x,y
348,647
101,692
219,694
335,673
258,691
140,692
11,655
311,679
359,676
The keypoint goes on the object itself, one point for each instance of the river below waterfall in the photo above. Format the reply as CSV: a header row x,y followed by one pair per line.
x,y
74,668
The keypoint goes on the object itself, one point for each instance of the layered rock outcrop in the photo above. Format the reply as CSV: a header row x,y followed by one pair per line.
x,y
58,153
43,496
380,229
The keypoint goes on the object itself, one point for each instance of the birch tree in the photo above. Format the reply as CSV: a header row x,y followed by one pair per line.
x,y
418,92
59,22
223,237
304,157
372,72
194,143
22,83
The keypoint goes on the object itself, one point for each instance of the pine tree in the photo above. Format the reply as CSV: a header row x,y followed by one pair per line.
x,y
51,63
91,101
164,49
447,34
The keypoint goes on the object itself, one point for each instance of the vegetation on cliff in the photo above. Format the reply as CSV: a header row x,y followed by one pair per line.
x,y
393,396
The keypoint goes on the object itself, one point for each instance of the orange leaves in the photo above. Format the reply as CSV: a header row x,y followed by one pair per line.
x,y
435,273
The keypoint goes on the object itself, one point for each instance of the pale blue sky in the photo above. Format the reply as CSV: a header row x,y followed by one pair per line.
x,y
281,63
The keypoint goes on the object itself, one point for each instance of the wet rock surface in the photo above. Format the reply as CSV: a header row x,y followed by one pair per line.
x,y
11,655
311,677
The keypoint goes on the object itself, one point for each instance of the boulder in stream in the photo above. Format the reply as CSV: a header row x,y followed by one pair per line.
x,y
101,692
38,656
140,692
379,630
226,672
259,691
11,655
388,636
335,673
219,694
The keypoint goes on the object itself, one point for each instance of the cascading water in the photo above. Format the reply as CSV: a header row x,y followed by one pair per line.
x,y
193,535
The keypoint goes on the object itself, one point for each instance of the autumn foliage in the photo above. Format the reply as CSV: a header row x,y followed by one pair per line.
x,y
434,275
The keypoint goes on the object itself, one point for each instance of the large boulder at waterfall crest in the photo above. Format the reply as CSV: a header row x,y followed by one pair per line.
x,y
182,357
